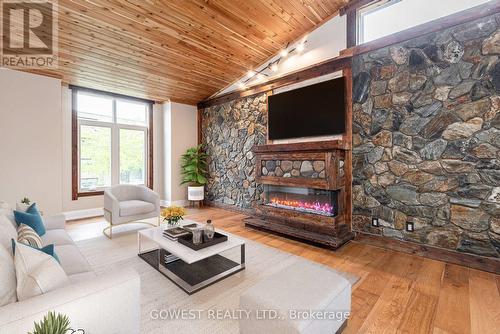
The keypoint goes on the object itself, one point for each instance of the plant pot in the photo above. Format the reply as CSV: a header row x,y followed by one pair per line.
x,y
196,193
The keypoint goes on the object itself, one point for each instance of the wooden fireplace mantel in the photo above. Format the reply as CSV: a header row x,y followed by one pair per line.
x,y
333,158
327,145
336,176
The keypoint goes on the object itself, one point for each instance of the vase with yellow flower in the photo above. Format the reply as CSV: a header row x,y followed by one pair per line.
x,y
173,214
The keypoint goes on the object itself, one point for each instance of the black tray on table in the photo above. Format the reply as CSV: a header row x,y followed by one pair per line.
x,y
187,240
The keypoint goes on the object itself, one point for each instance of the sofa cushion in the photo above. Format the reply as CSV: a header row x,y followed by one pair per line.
x,y
57,237
54,222
135,207
306,279
7,278
309,286
36,272
7,211
28,236
7,233
72,260
49,249
32,218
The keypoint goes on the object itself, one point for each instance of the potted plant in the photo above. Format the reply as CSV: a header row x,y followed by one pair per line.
x,y
194,171
24,204
52,323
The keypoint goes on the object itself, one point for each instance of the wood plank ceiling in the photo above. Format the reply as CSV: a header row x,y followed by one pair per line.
x,y
182,50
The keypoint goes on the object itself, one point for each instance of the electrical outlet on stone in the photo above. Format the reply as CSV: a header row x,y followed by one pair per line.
x,y
410,227
375,222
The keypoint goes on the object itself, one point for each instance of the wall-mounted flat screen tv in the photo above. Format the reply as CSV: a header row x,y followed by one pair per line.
x,y
315,110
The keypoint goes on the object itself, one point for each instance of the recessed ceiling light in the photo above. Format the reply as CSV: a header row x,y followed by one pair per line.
x,y
284,53
274,67
300,47
250,73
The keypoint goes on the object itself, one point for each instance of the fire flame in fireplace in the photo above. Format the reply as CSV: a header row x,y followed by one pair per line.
x,y
316,206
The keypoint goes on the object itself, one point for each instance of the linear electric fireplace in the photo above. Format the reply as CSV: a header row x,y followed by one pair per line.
x,y
306,191
306,200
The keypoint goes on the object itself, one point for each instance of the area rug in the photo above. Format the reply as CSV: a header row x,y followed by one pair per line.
x,y
162,299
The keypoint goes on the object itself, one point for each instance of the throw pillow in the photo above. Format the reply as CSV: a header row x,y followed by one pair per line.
x,y
7,278
7,232
49,250
28,236
31,218
37,273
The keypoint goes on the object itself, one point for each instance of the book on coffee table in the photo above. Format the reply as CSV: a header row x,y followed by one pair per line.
x,y
175,232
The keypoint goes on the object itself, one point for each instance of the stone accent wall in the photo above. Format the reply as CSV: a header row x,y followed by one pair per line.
x,y
426,139
229,132
297,168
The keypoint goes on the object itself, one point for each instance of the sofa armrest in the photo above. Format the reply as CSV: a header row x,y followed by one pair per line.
x,y
106,304
151,196
54,222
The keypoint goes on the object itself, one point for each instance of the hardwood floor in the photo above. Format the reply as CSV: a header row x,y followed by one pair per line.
x,y
397,292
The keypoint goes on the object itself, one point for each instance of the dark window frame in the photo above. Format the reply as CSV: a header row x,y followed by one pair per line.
x,y
75,191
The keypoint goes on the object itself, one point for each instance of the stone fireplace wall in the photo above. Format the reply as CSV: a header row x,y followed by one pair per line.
x,y
426,139
229,132
294,168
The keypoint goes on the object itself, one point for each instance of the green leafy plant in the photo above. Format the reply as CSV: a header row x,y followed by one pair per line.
x,y
52,323
26,201
194,166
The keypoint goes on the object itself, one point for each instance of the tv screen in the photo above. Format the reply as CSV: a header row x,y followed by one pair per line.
x,y
316,110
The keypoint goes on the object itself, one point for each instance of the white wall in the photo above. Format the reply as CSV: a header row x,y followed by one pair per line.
x,y
35,149
158,150
410,13
180,133
30,139
323,43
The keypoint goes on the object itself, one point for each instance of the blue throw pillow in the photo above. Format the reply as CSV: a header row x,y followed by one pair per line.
x,y
49,250
31,218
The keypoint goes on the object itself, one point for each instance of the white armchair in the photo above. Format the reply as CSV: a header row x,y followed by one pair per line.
x,y
126,203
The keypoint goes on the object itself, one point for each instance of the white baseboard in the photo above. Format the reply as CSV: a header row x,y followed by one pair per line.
x,y
81,214
182,202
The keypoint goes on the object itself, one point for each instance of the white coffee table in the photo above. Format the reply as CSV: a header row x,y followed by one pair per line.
x,y
191,270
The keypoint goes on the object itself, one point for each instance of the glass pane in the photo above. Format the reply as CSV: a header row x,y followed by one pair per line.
x,y
132,156
95,157
94,107
379,22
129,112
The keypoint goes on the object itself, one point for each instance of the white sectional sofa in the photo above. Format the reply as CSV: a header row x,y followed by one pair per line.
x,y
97,304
